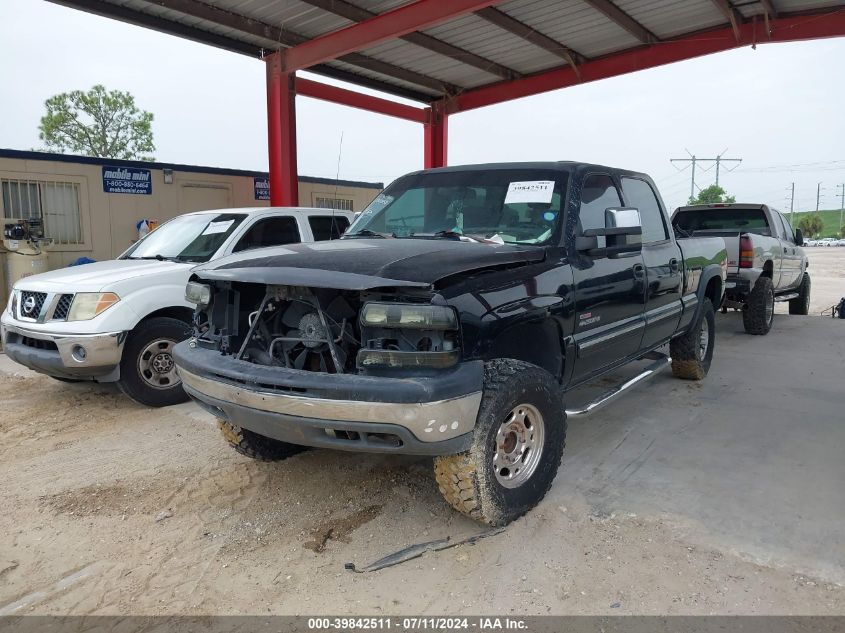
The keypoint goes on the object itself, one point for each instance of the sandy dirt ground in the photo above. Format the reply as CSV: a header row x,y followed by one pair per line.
x,y
112,508
827,273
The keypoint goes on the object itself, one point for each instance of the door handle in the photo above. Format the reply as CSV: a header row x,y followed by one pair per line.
x,y
639,271
673,264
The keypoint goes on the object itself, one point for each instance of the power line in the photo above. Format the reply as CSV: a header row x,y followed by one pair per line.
x,y
693,160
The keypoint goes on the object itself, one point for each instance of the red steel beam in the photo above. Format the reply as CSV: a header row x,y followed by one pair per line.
x,y
782,29
325,92
281,134
435,136
386,26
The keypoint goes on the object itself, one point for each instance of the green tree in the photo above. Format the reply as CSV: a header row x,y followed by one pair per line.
x,y
842,231
712,195
811,224
100,123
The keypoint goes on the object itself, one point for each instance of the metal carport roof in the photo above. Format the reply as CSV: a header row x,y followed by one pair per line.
x,y
473,47
456,55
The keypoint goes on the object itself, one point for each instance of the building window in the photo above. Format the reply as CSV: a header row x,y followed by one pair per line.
x,y
56,204
339,204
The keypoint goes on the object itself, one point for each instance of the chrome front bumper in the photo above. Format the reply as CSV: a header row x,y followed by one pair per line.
x,y
66,355
435,421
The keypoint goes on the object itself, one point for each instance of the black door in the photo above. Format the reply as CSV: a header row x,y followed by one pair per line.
x,y
662,259
609,292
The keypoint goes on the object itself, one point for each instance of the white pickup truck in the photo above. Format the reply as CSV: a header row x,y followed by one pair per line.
x,y
765,260
118,320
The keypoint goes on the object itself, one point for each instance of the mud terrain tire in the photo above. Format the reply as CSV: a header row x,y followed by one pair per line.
x,y
692,353
521,417
801,303
759,309
258,447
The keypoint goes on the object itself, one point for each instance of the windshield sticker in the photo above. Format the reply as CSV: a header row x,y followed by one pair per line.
x,y
548,216
218,227
530,191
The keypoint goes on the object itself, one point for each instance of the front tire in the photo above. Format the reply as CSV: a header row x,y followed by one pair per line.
x,y
255,446
759,309
801,303
147,371
517,446
692,353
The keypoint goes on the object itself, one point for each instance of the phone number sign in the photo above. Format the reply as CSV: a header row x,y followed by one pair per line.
x,y
127,180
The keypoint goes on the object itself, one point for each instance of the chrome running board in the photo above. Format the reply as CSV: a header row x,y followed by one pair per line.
x,y
786,297
660,362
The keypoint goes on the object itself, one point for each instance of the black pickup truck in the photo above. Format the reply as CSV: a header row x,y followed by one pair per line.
x,y
451,320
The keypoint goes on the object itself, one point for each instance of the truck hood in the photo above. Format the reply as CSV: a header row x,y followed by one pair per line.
x,y
100,276
359,264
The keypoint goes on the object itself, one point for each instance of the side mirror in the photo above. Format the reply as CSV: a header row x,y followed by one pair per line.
x,y
623,234
799,238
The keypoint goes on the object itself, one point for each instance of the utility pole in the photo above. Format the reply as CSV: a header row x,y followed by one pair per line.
x,y
720,160
841,206
792,204
818,195
693,160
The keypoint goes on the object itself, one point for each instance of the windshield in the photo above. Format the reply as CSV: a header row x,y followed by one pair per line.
x,y
512,206
188,238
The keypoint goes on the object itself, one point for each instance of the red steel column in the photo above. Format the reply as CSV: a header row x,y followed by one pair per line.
x,y
436,136
281,134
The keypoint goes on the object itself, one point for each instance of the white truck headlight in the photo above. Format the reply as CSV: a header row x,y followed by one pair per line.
x,y
409,316
199,294
87,305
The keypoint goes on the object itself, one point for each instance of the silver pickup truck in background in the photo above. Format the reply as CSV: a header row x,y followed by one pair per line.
x,y
765,260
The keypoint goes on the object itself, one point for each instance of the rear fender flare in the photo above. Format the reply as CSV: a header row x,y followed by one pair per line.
x,y
710,272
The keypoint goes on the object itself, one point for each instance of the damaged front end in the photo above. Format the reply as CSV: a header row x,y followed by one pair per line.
x,y
364,369
325,330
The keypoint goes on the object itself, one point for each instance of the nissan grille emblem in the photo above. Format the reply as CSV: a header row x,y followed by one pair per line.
x,y
29,305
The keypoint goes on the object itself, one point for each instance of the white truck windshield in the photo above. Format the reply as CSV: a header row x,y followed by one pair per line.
x,y
188,238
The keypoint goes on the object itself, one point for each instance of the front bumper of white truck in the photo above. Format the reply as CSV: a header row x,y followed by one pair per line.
x,y
64,355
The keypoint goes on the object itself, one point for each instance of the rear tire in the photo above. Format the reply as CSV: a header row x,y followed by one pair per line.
x,y
517,446
255,446
801,303
759,309
147,371
692,353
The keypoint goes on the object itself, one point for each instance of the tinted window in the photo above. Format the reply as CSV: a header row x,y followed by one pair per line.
x,y
327,227
269,232
788,233
639,194
597,194
745,220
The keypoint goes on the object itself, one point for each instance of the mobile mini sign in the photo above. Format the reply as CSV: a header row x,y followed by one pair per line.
x,y
262,188
127,180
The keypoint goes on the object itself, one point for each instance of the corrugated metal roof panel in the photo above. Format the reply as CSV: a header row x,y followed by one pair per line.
x,y
787,6
479,36
373,75
669,18
574,24
426,62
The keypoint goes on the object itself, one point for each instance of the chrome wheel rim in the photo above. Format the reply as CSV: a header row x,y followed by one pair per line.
x,y
156,366
519,446
770,308
704,340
